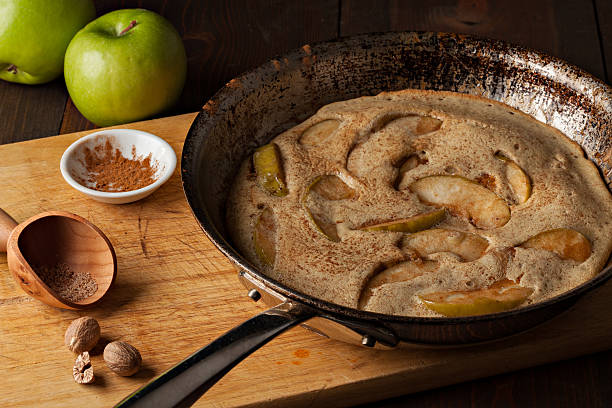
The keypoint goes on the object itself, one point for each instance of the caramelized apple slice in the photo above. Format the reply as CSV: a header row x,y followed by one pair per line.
x,y
413,224
427,124
319,133
464,244
401,272
269,169
331,187
264,237
517,178
502,295
465,197
564,242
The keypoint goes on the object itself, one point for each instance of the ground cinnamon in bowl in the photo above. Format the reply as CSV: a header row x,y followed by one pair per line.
x,y
108,170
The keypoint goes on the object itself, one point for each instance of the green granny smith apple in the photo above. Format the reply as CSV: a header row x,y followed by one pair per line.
x,y
125,66
34,35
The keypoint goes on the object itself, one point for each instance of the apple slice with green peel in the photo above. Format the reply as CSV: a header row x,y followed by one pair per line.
x,y
464,244
427,124
401,272
264,237
331,187
413,224
268,166
564,242
464,197
319,133
501,296
518,179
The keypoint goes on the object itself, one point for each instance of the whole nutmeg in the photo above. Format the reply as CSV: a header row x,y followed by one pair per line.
x,y
82,334
123,358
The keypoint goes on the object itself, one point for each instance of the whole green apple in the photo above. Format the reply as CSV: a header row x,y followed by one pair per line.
x,y
34,35
125,66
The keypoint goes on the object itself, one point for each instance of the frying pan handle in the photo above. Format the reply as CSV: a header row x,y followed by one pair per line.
x,y
7,224
183,384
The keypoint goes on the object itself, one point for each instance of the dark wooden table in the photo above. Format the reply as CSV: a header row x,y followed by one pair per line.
x,y
225,38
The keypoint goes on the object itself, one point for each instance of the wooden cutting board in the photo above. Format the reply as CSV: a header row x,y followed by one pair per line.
x,y
175,292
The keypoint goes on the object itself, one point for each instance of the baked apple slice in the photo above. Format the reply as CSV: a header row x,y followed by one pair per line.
x,y
501,296
410,163
463,244
269,170
464,197
564,242
427,124
389,118
517,178
264,237
323,226
331,187
413,224
401,272
319,133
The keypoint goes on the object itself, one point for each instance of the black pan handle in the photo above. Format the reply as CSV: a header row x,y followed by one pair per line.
x,y
183,384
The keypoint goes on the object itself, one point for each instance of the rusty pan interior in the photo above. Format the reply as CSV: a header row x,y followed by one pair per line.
x,y
255,107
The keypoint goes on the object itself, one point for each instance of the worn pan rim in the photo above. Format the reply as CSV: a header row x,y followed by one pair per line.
x,y
324,307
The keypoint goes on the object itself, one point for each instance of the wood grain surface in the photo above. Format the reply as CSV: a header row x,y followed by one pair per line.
x,y
554,27
29,112
175,292
603,10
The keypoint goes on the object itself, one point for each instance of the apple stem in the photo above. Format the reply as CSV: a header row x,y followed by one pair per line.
x,y
12,68
128,28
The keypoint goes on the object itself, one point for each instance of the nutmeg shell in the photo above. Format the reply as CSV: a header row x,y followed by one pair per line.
x,y
82,334
83,370
122,358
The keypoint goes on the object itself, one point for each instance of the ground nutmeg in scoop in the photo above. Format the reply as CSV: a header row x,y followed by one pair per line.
x,y
109,171
69,284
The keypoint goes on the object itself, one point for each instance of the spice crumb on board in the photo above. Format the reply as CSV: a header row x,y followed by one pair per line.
x,y
110,171
69,284
301,353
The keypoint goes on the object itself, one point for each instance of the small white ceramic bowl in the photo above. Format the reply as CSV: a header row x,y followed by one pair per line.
x,y
129,142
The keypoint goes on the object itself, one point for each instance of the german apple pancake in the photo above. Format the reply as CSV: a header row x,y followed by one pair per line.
x,y
422,203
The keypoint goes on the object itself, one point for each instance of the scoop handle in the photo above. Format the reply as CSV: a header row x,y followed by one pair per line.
x,y
7,224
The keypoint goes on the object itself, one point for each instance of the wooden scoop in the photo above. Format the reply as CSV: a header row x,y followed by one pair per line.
x,y
52,238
